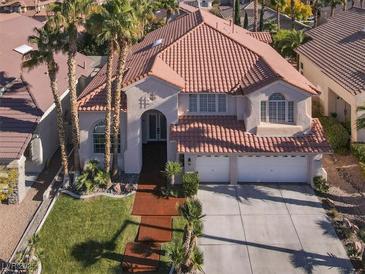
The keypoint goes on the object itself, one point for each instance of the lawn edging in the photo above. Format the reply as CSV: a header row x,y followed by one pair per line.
x,y
97,194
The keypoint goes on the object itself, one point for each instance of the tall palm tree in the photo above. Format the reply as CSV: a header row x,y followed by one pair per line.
x,y
144,10
102,25
278,4
171,7
255,14
130,29
47,43
316,9
70,15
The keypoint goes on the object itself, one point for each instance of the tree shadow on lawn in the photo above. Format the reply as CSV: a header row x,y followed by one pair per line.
x,y
91,251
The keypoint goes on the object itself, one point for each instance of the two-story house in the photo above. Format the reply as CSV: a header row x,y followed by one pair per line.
x,y
222,101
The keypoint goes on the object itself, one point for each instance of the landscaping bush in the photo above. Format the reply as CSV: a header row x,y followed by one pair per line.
x,y
8,181
362,234
320,184
190,183
92,177
358,150
336,133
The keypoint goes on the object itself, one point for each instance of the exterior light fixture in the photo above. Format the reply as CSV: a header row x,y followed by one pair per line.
x,y
152,96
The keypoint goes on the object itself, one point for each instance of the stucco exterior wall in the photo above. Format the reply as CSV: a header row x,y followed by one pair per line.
x,y
88,120
183,107
45,138
302,109
314,74
148,94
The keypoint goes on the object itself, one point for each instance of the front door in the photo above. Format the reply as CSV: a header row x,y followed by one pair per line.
x,y
156,127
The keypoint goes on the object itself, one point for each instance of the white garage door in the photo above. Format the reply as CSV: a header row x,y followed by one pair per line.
x,y
272,169
213,169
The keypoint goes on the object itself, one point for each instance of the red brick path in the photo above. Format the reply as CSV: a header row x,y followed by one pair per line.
x,y
156,222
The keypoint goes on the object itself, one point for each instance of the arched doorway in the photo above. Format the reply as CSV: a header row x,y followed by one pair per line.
x,y
154,137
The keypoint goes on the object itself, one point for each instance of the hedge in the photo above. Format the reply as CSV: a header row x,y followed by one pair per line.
x,y
358,150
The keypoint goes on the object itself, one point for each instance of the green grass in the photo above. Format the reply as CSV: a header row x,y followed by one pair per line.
x,y
87,236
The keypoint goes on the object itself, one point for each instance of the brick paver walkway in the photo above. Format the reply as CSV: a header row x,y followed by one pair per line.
x,y
156,212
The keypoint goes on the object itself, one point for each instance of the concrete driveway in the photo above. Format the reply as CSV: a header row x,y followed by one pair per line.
x,y
268,229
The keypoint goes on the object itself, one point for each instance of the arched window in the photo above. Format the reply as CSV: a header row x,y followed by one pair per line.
x,y
277,109
99,138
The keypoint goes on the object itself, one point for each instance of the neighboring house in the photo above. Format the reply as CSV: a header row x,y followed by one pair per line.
x,y
270,15
333,60
28,131
26,7
223,103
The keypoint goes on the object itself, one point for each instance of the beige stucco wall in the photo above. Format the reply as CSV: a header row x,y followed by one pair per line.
x,y
88,120
302,110
314,74
138,102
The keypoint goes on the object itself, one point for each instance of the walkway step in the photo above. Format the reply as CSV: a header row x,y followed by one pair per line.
x,y
155,228
141,257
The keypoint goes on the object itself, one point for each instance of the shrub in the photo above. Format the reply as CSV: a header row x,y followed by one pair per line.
x,y
336,133
358,150
362,234
190,183
8,181
172,169
320,184
92,177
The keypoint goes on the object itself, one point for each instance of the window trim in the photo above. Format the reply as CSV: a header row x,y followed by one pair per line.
x,y
99,123
267,118
216,101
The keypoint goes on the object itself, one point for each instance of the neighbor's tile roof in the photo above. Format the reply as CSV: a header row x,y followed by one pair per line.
x,y
203,53
19,117
338,48
226,134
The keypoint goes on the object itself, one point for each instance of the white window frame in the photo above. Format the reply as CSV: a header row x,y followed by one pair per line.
x,y
276,121
216,101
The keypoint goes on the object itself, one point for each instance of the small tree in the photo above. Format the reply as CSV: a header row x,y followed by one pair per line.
x,y
171,170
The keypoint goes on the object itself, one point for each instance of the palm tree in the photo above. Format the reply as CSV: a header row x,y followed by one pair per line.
x,y
278,4
286,41
70,15
192,212
316,9
333,4
292,13
105,26
255,15
130,29
47,43
171,7
144,10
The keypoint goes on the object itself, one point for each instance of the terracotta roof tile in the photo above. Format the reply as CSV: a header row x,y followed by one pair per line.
x,y
209,54
226,134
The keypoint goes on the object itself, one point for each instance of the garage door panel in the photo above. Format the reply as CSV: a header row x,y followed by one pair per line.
x,y
272,169
213,169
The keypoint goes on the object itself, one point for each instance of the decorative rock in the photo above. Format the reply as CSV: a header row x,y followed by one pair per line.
x,y
329,203
117,188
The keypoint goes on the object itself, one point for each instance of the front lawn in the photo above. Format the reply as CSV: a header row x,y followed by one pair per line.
x,y
87,236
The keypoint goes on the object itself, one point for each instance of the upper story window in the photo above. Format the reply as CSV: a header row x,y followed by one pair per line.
x,y
207,102
277,109
99,138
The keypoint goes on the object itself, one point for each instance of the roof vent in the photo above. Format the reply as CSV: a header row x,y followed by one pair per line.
x,y
157,43
23,49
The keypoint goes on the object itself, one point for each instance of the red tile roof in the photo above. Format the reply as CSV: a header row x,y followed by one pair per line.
x,y
207,54
226,134
338,48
